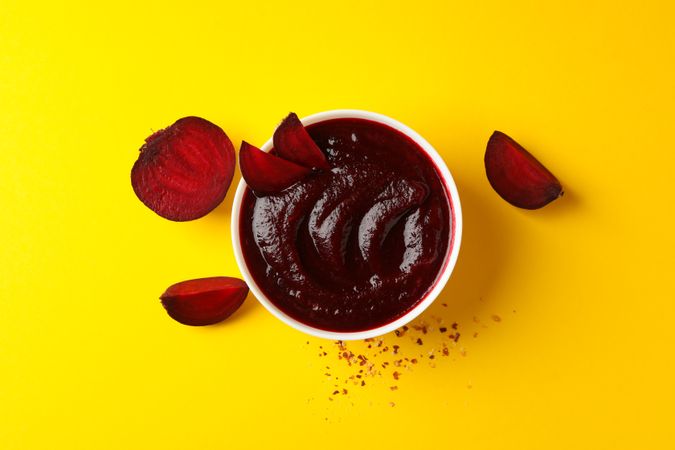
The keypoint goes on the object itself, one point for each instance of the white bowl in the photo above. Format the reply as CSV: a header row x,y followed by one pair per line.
x,y
450,257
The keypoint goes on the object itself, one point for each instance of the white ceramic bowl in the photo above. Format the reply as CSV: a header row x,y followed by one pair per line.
x,y
450,257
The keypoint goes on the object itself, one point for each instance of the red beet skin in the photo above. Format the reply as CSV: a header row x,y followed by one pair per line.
x,y
266,173
183,171
517,176
292,142
204,301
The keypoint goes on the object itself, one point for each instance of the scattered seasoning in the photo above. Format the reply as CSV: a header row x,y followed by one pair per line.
x,y
372,358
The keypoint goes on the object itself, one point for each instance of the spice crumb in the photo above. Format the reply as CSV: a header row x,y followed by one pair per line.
x,y
396,375
394,388
442,329
419,341
496,318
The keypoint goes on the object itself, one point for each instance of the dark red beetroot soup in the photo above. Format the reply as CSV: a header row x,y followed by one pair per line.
x,y
355,247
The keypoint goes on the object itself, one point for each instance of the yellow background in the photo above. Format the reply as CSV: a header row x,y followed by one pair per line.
x,y
584,354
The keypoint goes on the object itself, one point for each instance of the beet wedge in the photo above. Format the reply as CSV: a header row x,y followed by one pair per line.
x,y
266,173
292,142
204,301
517,176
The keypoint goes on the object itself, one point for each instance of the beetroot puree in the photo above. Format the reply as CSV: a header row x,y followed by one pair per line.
x,y
357,246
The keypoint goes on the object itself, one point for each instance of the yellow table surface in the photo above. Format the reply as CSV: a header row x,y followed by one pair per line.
x,y
580,351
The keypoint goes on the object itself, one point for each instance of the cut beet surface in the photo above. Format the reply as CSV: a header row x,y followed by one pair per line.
x,y
292,142
517,176
266,173
204,301
183,171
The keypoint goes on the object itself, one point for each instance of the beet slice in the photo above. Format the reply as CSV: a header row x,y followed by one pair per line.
x,y
266,173
184,171
204,301
517,176
292,142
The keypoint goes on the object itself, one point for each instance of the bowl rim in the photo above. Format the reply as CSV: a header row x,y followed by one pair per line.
x,y
451,254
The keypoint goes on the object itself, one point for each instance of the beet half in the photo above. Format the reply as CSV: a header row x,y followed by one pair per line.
x,y
184,171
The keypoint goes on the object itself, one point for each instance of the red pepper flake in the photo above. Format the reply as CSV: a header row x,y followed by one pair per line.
x,y
414,360
444,304
358,376
324,353
475,334
442,329
363,383
327,374
344,391
396,347
396,332
431,356
456,338
446,352
419,341
336,392
394,388
396,375
454,325
422,328
386,349
496,318
379,344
